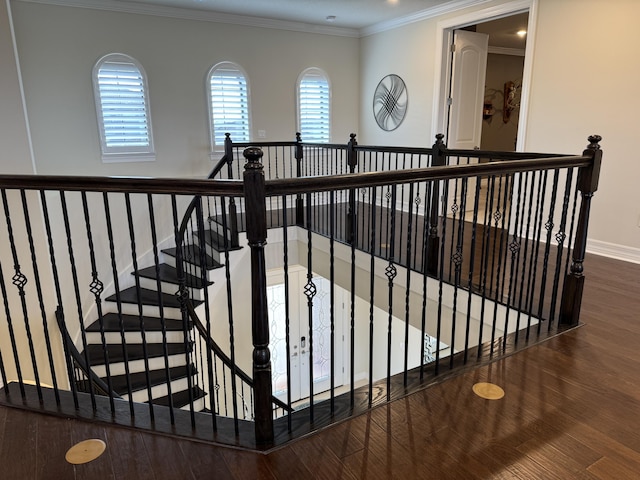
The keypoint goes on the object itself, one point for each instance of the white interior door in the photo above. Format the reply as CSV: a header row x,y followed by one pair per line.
x,y
466,99
469,69
300,354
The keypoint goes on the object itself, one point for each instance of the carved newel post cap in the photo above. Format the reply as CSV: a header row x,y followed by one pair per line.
x,y
253,156
594,141
298,137
439,137
227,135
352,136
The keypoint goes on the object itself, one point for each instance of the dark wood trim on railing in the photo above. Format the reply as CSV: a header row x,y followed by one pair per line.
x,y
588,177
165,186
438,159
372,179
256,213
79,360
352,161
299,201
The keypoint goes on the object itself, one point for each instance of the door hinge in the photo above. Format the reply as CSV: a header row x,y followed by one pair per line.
x,y
449,101
453,47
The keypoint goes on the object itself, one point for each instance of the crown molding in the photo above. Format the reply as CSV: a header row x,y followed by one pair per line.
x,y
201,15
518,52
432,12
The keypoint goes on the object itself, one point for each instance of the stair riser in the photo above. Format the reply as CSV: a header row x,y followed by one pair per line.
x,y
135,366
198,405
159,391
147,310
215,254
170,288
94,338
192,269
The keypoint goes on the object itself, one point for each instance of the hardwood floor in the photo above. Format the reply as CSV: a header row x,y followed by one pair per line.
x,y
571,410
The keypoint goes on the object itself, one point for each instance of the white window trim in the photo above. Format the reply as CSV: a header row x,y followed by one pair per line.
x,y
129,153
217,149
298,116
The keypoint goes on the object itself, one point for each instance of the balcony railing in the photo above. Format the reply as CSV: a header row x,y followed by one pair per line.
x,y
299,285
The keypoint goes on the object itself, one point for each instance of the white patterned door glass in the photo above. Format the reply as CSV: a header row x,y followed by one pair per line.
x,y
298,312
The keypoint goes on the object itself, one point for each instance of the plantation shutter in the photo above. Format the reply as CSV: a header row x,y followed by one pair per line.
x,y
229,104
313,93
123,105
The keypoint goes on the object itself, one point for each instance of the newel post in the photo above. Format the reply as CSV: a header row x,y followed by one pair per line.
x,y
233,210
299,201
352,161
256,213
439,158
574,282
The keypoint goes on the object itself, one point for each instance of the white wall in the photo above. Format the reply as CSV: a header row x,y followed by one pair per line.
x,y
584,70
176,55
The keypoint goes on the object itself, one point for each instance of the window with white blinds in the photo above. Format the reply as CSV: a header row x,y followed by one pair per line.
x,y
228,104
120,88
314,99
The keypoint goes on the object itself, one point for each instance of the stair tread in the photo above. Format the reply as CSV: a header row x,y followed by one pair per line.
x,y
180,399
138,380
148,297
131,323
192,254
215,239
167,273
135,351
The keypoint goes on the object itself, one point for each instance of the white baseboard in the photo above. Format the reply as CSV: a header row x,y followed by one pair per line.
x,y
612,250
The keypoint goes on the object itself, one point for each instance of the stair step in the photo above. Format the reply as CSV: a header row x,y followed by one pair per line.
x,y
167,273
215,239
131,323
180,399
134,352
144,296
192,254
156,377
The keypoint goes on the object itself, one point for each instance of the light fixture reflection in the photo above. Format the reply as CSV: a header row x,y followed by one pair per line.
x,y
521,33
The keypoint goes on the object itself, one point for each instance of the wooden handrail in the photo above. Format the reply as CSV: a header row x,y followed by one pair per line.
x,y
372,179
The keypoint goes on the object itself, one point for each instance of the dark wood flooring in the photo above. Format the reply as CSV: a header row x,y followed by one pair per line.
x,y
571,410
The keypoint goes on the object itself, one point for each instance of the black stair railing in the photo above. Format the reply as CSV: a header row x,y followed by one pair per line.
x,y
434,261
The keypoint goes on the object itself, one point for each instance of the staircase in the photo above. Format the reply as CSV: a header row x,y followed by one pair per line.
x,y
155,362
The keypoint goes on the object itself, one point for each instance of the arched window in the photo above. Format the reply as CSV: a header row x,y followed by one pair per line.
x,y
122,105
314,106
228,103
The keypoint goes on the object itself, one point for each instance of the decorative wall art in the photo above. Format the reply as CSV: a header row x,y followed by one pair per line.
x,y
390,102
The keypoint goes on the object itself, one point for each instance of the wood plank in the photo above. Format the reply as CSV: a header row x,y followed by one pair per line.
x,y
128,454
51,460
19,452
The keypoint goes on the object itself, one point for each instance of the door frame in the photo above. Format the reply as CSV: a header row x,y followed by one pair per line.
x,y
442,69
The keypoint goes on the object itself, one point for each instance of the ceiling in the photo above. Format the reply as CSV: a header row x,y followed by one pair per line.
x,y
340,17
355,14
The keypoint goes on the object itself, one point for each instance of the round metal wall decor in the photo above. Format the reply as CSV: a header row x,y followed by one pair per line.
x,y
390,102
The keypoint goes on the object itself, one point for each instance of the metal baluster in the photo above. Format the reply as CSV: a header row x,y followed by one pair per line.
x,y
560,237
287,318
96,288
134,258
390,272
43,313
56,283
163,323
472,260
445,200
310,291
232,348
76,289
547,247
372,235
